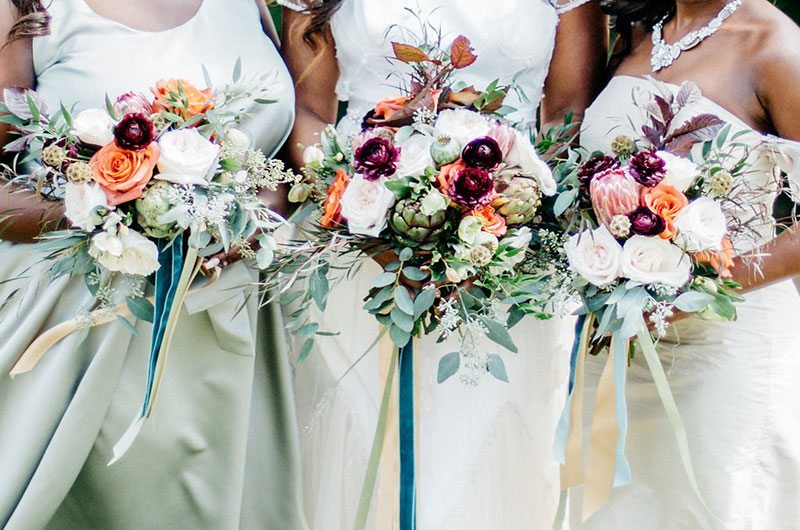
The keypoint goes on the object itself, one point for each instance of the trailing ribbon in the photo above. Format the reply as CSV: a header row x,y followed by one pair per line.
x,y
608,466
408,493
377,445
173,279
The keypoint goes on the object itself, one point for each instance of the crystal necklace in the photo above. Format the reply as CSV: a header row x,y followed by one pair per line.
x,y
663,54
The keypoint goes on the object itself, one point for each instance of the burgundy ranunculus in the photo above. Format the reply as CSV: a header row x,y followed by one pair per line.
x,y
645,222
134,132
647,168
483,153
471,187
377,158
594,166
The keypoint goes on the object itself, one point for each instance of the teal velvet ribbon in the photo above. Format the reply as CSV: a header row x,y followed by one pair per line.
x,y
408,494
171,258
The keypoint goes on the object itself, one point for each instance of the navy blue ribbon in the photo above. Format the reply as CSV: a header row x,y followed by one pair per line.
x,y
408,486
573,360
171,258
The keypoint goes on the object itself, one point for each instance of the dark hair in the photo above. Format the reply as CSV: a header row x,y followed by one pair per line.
x,y
33,20
321,14
627,13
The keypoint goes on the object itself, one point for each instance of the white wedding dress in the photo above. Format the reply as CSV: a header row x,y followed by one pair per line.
x,y
735,383
484,452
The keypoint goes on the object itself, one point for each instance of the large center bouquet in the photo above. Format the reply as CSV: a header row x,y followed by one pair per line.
x,y
445,192
151,187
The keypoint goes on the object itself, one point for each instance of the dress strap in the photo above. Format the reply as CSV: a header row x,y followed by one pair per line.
x,y
562,6
299,5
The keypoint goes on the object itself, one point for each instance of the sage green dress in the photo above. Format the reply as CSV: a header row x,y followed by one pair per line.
x,y
220,451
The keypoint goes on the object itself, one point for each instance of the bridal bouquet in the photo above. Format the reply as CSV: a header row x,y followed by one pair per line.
x,y
443,188
653,225
151,186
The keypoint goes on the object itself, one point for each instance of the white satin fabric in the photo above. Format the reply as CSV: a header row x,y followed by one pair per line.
x,y
220,450
735,383
485,457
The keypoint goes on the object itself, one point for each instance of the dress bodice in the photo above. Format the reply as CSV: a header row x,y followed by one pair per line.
x,y
514,39
620,110
88,57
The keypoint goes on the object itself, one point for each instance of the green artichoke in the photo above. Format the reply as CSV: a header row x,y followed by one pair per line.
x,y
154,203
413,228
518,199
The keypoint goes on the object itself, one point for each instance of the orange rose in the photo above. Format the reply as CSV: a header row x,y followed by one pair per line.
x,y
123,174
721,261
447,173
180,97
492,221
665,201
388,106
333,201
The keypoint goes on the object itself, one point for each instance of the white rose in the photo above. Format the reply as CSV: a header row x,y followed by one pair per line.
x,y
125,251
81,202
365,205
595,255
651,260
186,157
470,229
434,202
522,156
681,172
521,239
701,226
415,156
461,125
313,156
94,126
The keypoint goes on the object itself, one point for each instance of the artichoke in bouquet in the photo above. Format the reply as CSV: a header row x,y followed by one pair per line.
x,y
518,199
412,227
153,204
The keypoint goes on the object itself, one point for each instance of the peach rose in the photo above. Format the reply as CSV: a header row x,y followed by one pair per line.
x,y
123,174
180,97
493,223
447,173
665,201
388,106
333,201
721,261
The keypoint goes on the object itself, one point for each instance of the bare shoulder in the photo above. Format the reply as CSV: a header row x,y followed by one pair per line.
x,y
773,40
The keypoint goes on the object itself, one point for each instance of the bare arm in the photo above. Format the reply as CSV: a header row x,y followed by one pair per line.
x,y
315,72
779,69
578,67
23,214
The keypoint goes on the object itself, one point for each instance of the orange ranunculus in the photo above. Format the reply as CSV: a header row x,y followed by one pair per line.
x,y
666,202
447,173
721,261
333,201
123,174
180,97
386,107
493,222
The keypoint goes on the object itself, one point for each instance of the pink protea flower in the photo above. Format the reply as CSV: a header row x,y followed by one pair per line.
x,y
503,135
613,192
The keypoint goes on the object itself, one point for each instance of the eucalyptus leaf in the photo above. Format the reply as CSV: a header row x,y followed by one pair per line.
x,y
141,308
399,337
384,279
448,366
414,274
305,350
498,334
402,320
423,302
309,330
403,300
497,367
692,301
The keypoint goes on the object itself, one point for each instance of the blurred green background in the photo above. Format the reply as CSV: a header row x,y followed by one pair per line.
x,y
791,7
